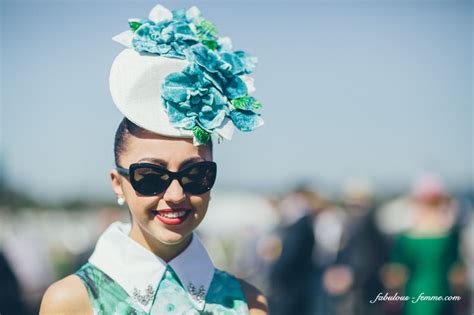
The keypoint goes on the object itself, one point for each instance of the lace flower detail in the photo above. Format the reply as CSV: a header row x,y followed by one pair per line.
x,y
169,34
168,38
193,102
206,92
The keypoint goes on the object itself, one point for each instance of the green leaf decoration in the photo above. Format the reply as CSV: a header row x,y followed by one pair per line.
x,y
134,24
202,135
206,30
246,103
211,44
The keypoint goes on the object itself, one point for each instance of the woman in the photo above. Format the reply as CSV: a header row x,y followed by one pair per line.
x,y
178,85
426,256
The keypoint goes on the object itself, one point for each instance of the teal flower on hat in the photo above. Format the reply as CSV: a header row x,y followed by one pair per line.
x,y
173,32
211,95
168,38
222,74
246,120
193,102
205,30
207,91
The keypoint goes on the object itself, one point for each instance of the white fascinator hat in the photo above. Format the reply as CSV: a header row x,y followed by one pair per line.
x,y
177,78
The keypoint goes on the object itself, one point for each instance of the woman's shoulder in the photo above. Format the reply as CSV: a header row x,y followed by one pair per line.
x,y
240,289
256,300
66,296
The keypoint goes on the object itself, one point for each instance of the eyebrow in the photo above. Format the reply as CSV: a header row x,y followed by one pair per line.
x,y
164,163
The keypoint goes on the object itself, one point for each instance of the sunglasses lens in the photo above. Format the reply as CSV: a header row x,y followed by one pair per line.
x,y
199,178
149,181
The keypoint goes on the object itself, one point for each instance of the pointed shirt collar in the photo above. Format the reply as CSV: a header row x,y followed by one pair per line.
x,y
138,271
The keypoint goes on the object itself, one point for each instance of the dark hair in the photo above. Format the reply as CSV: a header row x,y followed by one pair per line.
x,y
125,128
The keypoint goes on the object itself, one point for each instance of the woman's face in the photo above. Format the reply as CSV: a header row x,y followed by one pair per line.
x,y
148,211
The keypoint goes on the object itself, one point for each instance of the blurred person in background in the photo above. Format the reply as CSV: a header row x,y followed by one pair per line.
x,y
459,279
291,275
175,92
27,256
334,276
10,292
425,258
367,248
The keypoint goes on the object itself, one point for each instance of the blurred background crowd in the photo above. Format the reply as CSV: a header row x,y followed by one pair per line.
x,y
308,252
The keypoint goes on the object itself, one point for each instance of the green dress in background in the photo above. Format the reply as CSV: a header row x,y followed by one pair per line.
x,y
428,260
224,297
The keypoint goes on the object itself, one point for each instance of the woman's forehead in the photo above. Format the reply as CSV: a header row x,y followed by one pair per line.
x,y
163,150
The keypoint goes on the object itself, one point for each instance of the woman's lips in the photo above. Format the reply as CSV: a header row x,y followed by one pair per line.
x,y
172,216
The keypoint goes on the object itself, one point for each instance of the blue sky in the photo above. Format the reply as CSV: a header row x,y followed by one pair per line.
x,y
381,89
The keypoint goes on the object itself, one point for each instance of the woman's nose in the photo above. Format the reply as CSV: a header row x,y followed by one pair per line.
x,y
174,193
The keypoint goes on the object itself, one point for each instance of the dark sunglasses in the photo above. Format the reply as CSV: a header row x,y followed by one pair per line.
x,y
151,179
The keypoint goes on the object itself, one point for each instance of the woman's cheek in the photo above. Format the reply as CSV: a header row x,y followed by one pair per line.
x,y
200,203
141,206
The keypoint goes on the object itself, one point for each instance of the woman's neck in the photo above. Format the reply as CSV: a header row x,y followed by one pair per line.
x,y
433,220
165,251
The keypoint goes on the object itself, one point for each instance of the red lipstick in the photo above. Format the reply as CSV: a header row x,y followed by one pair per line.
x,y
173,216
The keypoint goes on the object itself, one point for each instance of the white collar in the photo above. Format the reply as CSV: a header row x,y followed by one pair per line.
x,y
138,271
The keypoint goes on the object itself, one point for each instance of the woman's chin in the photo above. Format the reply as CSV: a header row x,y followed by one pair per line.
x,y
174,232
171,238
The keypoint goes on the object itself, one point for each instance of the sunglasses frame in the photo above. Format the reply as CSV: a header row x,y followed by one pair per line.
x,y
172,175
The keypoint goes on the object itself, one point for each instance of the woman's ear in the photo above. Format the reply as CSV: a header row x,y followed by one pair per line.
x,y
116,183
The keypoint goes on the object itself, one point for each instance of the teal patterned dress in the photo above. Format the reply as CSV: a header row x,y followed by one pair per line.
x,y
224,296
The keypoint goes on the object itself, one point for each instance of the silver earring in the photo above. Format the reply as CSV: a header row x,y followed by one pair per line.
x,y
120,201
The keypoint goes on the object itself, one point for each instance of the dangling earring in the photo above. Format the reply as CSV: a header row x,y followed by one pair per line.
x,y
120,201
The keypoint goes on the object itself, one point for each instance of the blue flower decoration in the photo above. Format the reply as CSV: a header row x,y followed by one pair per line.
x,y
223,74
210,89
168,38
171,37
190,99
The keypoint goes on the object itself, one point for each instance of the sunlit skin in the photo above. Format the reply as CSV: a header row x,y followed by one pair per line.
x,y
166,241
